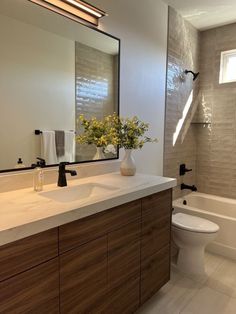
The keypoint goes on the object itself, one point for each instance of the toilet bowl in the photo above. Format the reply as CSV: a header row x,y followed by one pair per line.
x,y
191,234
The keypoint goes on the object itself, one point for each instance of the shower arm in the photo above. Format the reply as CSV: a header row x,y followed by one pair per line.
x,y
195,75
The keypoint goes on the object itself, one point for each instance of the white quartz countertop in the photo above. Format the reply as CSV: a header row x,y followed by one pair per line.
x,y
25,212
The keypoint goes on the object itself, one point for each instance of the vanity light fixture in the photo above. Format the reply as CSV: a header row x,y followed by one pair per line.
x,y
77,9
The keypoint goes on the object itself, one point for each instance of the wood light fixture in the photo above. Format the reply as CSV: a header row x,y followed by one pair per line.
x,y
75,9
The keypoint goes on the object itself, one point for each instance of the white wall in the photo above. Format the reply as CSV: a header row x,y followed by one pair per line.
x,y
142,27
37,73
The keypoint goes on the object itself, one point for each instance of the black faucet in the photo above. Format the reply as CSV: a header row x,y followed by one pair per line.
x,y
62,174
41,163
183,169
188,187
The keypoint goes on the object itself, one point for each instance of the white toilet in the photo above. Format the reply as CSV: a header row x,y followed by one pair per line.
x,y
191,234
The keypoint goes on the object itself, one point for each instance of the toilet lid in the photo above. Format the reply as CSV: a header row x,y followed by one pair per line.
x,y
193,223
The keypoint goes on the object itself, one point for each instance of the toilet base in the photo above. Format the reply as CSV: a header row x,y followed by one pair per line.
x,y
191,261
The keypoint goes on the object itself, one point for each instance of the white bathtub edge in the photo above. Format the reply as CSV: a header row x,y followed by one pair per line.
x,y
223,250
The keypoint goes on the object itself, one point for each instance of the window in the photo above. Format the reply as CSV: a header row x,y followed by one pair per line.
x,y
228,66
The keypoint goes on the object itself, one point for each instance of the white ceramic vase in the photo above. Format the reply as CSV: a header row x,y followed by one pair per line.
x,y
128,167
99,154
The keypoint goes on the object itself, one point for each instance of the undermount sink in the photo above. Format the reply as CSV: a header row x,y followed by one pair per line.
x,y
78,192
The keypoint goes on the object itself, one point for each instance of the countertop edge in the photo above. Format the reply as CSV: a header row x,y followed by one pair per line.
x,y
17,233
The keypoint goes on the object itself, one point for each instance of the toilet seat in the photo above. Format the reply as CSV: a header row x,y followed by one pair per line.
x,y
193,223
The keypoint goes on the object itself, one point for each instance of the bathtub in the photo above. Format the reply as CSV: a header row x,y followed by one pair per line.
x,y
219,210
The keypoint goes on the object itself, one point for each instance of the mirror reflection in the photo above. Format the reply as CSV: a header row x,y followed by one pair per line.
x,y
52,71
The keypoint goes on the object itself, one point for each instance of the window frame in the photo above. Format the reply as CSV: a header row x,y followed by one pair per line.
x,y
225,55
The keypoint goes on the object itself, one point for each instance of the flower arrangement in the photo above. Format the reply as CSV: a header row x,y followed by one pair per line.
x,y
101,133
131,133
114,131
131,136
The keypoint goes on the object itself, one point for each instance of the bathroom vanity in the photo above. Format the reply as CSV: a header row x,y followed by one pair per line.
x,y
107,253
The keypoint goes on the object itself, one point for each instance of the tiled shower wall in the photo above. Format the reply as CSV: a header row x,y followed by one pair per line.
x,y
183,53
209,146
216,150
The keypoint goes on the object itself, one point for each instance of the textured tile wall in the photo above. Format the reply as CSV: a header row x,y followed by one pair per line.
x,y
208,148
216,143
96,88
183,53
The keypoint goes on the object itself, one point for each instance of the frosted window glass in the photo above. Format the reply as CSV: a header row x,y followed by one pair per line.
x,y
228,67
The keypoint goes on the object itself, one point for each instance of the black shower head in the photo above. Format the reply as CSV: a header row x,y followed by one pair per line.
x,y
195,75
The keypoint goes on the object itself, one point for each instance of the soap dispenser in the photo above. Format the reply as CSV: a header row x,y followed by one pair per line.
x,y
38,175
19,164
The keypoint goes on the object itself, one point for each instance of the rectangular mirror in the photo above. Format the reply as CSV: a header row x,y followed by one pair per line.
x,y
52,70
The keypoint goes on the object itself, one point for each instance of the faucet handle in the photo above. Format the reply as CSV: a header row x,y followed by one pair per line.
x,y
62,165
42,161
183,170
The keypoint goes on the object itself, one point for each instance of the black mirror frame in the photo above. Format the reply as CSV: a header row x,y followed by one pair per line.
x,y
118,102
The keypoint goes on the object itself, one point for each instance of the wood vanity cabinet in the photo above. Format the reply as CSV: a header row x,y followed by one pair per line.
x,y
83,277
155,243
99,256
29,277
109,263
124,269
137,264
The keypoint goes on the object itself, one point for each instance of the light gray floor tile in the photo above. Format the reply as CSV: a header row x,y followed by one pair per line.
x,y
190,295
223,279
212,262
207,301
172,300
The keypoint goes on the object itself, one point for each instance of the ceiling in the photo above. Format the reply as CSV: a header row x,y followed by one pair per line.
x,y
205,14
47,20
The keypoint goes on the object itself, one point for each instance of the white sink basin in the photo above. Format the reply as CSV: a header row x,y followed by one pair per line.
x,y
78,192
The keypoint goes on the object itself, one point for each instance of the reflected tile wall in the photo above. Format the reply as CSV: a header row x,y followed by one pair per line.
x,y
183,53
96,89
216,147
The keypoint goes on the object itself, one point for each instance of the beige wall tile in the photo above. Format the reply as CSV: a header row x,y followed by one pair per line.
x,y
209,149
183,53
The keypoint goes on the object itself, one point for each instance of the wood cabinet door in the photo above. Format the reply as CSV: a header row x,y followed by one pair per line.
x,y
155,273
155,243
83,278
82,231
124,269
156,234
33,291
156,223
24,254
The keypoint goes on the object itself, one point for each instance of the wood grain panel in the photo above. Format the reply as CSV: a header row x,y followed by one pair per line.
x,y
155,272
84,230
124,254
156,233
24,254
34,291
124,299
160,202
83,278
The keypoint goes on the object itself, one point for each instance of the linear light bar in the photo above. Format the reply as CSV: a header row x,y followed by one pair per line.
x,y
86,8
77,8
